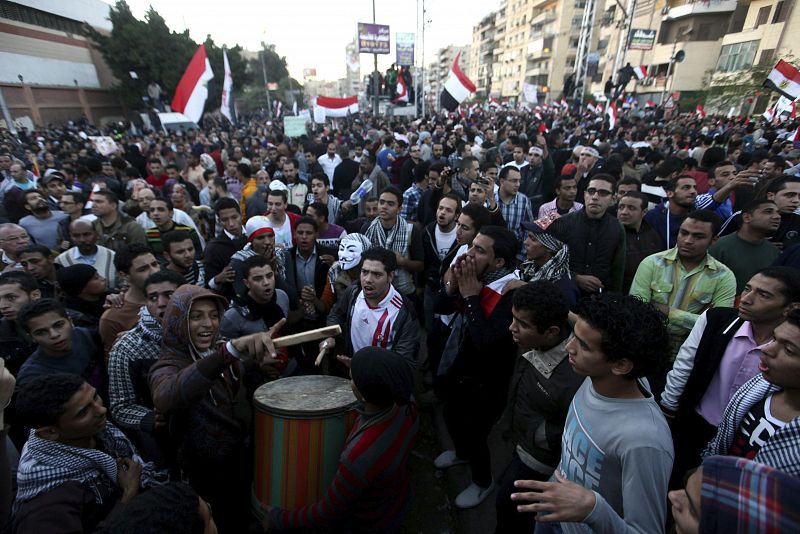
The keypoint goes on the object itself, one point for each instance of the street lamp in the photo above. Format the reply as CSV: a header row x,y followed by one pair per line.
x,y
672,60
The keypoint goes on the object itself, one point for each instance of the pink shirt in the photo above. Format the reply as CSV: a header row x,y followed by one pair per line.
x,y
739,364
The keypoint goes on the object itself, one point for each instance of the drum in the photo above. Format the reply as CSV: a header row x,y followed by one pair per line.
x,y
301,425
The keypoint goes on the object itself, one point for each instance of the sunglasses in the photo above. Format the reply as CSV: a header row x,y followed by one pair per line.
x,y
602,193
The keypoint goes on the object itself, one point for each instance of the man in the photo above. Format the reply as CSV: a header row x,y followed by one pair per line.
x,y
542,388
297,191
566,190
482,279
329,161
76,467
515,207
785,192
392,232
144,197
519,162
232,179
721,353
130,360
367,170
134,264
344,174
437,154
83,292
387,155
585,168
468,172
328,235
281,220
438,241
72,203
360,224
42,223
748,250
408,172
539,175
373,313
685,281
596,239
13,240
615,462
249,185
440,183
773,167
17,289
666,219
413,194
640,239
179,253
54,185
37,260
218,253
161,212
86,250
116,230
14,199
320,188
62,347
481,192
157,178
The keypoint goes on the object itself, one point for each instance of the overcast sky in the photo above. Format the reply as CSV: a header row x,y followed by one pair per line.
x,y
314,33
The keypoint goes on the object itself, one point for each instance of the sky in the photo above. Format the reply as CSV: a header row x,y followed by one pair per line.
x,y
312,34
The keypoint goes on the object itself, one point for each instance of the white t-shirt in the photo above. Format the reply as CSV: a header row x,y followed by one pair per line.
x,y
444,240
283,234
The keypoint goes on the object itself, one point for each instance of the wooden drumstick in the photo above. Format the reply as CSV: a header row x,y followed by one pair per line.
x,y
309,335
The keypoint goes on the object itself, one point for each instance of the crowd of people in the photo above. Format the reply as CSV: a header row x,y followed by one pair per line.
x,y
626,300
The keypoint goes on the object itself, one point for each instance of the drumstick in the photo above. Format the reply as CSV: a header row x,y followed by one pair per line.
x,y
309,335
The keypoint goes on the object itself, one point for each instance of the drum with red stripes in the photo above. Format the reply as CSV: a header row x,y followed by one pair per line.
x,y
301,425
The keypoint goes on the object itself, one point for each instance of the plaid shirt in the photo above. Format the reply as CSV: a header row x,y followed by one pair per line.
x,y
740,495
781,451
515,213
411,203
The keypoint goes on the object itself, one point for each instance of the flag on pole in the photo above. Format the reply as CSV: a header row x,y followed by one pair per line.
x,y
457,87
192,91
493,103
226,103
590,107
337,107
402,92
650,104
769,114
785,79
611,111
796,136
640,72
598,109
564,104
700,112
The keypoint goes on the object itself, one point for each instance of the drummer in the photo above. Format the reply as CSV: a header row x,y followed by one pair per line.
x,y
202,386
370,492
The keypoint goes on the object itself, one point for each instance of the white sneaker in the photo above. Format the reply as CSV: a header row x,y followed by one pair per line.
x,y
448,459
473,496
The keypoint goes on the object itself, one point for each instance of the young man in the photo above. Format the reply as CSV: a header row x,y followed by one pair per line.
x,y
748,250
438,241
666,219
685,281
76,468
392,232
515,207
329,161
616,453
115,229
328,235
84,294
38,261
297,191
475,391
762,419
157,177
72,203
130,360
596,239
640,239
62,347
86,250
312,262
566,190
17,289
218,253
280,220
320,188
161,213
42,224
180,256
412,195
542,388
721,353
375,314
134,264
547,258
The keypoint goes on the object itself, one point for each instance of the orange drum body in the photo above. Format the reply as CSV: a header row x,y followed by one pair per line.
x,y
301,425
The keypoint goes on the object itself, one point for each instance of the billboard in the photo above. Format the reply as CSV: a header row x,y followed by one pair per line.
x,y
373,38
404,47
642,39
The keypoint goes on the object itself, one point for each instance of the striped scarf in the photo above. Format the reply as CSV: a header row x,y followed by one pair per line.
x,y
396,240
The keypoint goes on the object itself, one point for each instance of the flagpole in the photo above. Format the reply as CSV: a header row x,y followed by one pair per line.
x,y
375,75
422,87
266,88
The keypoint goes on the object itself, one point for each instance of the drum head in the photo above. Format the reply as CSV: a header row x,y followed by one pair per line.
x,y
305,396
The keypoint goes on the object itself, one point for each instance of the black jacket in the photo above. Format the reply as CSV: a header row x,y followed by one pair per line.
x,y
433,279
218,255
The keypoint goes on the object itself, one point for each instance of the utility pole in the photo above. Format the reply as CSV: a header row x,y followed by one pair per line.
x,y
375,73
422,88
264,71
671,66
582,57
624,35
7,114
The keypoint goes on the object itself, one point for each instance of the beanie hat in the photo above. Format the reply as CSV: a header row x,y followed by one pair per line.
x,y
257,226
74,278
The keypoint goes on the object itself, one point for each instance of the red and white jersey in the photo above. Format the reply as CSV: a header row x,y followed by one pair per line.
x,y
372,327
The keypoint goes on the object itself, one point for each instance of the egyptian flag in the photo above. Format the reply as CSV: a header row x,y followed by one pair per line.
x,y
192,91
640,72
402,92
494,104
796,136
564,104
457,87
650,104
785,79
701,113
611,111
338,107
769,114
226,103
590,107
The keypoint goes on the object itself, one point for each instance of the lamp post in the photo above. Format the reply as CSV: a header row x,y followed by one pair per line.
x,y
671,66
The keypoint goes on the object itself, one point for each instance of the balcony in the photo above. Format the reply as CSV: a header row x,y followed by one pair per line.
x,y
544,17
540,48
698,7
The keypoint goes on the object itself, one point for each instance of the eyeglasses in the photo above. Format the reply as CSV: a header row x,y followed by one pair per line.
x,y
602,193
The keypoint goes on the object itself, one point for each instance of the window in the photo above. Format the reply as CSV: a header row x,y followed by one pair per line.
x,y
765,59
737,56
763,16
780,12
